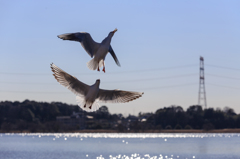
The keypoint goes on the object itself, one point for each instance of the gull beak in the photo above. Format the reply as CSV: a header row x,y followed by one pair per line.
x,y
114,30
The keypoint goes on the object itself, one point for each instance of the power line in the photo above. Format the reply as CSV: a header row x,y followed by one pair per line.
x,y
151,79
25,74
235,69
156,69
222,76
223,86
172,86
4,82
3,91
122,81
143,89
122,72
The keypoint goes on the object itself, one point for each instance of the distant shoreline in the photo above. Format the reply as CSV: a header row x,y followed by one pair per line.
x,y
146,131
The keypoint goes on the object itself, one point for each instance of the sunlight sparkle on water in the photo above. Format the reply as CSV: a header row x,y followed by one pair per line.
x,y
134,156
127,135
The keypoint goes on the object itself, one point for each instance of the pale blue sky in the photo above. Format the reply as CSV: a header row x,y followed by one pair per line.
x,y
152,36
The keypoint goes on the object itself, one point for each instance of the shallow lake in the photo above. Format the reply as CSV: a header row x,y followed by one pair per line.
x,y
119,146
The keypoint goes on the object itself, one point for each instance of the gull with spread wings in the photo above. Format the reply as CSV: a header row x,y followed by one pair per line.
x,y
89,96
97,51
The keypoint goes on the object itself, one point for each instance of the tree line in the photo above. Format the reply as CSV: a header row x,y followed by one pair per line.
x,y
32,116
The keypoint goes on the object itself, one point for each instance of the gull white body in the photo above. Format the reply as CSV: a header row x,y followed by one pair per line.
x,y
91,95
98,60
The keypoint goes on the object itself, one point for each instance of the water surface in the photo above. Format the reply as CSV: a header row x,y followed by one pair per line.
x,y
122,145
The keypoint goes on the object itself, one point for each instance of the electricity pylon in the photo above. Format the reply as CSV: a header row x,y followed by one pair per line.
x,y
202,93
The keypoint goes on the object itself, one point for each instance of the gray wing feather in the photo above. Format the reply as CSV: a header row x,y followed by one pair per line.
x,y
117,96
113,55
85,39
72,83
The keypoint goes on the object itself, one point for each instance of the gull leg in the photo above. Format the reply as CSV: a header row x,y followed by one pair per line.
x,y
103,67
98,67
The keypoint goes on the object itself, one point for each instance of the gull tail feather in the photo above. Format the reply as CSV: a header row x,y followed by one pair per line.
x,y
89,107
100,64
92,64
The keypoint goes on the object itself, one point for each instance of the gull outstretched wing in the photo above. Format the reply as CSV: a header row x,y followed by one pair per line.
x,y
85,39
72,83
117,96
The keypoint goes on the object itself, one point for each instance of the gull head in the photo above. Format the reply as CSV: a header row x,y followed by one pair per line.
x,y
98,81
112,32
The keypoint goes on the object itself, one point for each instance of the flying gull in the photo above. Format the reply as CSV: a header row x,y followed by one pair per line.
x,y
97,51
89,96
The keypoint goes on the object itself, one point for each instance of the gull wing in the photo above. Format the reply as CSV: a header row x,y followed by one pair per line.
x,y
85,39
72,83
113,55
117,96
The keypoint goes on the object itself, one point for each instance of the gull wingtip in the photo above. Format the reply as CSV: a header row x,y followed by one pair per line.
x,y
52,65
61,37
